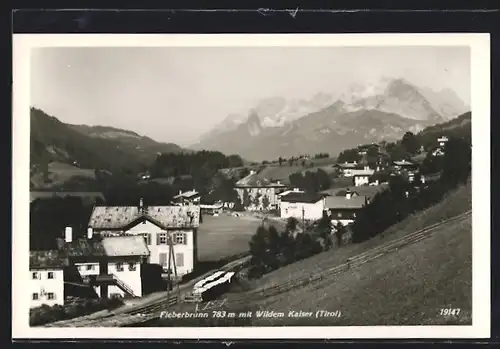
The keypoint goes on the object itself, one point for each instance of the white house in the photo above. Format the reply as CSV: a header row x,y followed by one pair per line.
x,y
362,177
156,224
111,265
442,141
344,209
301,206
46,278
254,188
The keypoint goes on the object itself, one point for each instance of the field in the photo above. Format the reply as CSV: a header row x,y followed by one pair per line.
x,y
224,236
59,173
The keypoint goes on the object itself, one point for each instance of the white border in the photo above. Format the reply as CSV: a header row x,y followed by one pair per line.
x,y
480,104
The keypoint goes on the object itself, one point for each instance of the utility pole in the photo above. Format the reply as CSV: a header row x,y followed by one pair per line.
x,y
171,256
303,220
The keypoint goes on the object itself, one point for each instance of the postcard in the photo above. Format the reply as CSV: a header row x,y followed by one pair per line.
x,y
251,186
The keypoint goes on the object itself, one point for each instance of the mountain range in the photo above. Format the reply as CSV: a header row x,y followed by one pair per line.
x,y
380,110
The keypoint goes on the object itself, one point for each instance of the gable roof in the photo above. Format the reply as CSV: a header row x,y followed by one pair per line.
x,y
82,248
341,202
253,180
302,197
115,246
187,194
118,246
120,217
403,163
290,191
49,259
362,172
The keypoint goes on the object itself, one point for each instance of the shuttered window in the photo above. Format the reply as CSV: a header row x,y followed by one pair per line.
x,y
179,259
161,239
163,259
181,238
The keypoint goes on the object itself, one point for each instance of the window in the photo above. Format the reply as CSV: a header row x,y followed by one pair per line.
x,y
119,266
162,239
339,214
163,259
131,266
51,296
147,238
50,275
35,275
34,296
180,238
179,259
90,267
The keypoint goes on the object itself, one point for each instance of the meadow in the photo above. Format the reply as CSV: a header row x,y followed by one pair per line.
x,y
224,236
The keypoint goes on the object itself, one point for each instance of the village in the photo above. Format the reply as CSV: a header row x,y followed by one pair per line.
x,y
132,251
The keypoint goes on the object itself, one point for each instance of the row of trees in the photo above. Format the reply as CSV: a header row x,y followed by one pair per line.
x,y
311,182
271,250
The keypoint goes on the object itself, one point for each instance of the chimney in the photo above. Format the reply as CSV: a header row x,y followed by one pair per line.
x,y
348,194
90,233
68,234
180,192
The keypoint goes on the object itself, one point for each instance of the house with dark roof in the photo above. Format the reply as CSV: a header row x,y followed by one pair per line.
x,y
256,188
110,265
157,225
343,209
302,205
47,277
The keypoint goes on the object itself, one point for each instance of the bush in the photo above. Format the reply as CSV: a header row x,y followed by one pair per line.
x,y
76,307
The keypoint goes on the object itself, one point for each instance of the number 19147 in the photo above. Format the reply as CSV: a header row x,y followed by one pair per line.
x,y
449,311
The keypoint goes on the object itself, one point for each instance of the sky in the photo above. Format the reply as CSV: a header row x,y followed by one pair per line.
x,y
175,94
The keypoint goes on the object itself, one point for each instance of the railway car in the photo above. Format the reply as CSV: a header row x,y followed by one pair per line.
x,y
214,286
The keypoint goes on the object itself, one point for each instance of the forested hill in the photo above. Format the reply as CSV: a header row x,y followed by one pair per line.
x,y
95,147
459,127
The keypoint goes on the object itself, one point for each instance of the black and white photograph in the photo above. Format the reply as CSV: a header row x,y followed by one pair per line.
x,y
251,186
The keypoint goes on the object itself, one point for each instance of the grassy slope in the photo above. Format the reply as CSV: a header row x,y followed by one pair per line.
x,y
455,203
407,287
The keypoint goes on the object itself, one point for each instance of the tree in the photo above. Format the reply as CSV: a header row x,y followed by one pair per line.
x,y
456,162
349,155
291,224
280,161
340,230
247,201
287,248
410,143
265,202
372,152
323,179
324,226
257,200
